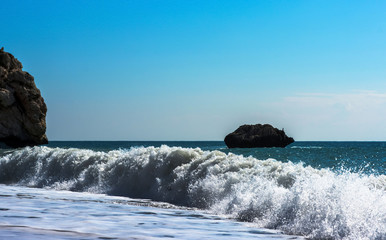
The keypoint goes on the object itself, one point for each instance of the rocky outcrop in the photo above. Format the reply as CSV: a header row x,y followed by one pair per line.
x,y
255,136
22,108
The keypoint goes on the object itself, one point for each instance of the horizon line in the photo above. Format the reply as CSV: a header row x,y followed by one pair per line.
x,y
204,141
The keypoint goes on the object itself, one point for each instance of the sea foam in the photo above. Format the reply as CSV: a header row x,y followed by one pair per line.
x,y
297,199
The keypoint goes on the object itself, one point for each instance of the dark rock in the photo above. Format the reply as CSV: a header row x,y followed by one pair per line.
x,y
22,108
254,136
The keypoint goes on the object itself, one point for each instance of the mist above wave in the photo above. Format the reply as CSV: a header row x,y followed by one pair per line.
x,y
286,196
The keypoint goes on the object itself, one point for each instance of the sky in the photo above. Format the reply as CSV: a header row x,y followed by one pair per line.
x,y
196,70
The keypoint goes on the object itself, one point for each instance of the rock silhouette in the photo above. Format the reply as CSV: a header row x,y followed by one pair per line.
x,y
22,108
257,136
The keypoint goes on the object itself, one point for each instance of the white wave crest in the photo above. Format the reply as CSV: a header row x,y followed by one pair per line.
x,y
318,204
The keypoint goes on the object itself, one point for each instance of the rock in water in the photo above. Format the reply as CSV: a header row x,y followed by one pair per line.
x,y
254,136
22,108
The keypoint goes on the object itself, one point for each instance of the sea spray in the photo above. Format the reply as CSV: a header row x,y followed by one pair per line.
x,y
291,197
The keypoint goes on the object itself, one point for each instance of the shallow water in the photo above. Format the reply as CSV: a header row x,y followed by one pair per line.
x,y
30,213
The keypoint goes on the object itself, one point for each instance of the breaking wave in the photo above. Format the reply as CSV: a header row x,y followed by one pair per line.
x,y
318,204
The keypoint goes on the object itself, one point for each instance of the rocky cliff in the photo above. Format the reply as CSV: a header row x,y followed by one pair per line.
x,y
259,135
22,108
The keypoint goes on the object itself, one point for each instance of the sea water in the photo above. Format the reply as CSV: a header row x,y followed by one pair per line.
x,y
193,190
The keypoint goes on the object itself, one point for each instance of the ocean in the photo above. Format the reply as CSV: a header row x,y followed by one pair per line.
x,y
193,190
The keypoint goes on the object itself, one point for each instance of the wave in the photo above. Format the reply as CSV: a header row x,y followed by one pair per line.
x,y
307,147
297,199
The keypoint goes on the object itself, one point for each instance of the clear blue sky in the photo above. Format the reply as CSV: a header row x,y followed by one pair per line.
x,y
196,70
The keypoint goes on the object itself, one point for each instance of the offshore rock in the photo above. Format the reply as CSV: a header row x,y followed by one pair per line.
x,y
257,136
22,108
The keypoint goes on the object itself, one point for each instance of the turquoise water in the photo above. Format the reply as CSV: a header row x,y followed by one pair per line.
x,y
319,190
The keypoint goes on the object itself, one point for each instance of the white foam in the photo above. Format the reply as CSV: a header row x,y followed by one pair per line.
x,y
291,197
